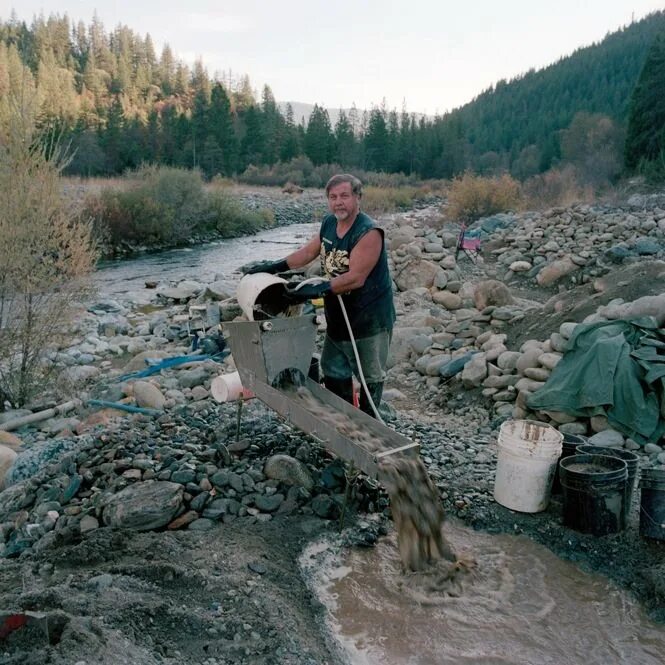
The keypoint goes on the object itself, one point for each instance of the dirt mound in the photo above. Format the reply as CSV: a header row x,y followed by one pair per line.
x,y
230,595
646,278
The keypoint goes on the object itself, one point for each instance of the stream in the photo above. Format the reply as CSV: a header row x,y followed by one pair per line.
x,y
125,279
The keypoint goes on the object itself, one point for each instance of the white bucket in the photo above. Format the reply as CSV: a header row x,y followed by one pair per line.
x,y
228,388
528,454
266,292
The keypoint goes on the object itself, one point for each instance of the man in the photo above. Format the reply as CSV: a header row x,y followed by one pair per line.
x,y
353,257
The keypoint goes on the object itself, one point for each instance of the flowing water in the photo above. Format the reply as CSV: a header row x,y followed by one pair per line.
x,y
520,605
126,278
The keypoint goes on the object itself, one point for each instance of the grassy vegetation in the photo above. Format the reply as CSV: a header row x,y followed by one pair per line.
x,y
379,200
167,206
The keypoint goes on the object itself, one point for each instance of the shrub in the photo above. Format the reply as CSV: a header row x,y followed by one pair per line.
x,y
46,253
231,219
377,200
556,188
168,206
472,197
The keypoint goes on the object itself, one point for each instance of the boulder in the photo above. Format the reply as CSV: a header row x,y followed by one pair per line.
x,y
288,470
138,362
7,457
492,292
148,395
144,506
10,440
608,438
78,375
447,299
417,273
556,270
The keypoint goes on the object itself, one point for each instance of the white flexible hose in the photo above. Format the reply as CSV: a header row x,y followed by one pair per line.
x,y
317,280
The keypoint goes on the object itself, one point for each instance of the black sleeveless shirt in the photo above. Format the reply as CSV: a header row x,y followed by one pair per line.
x,y
370,308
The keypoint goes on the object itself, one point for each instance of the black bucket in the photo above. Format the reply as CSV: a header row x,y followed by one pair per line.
x,y
631,459
652,504
568,448
594,493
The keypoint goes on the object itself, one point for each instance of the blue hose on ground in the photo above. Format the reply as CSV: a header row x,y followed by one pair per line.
x,y
124,407
158,365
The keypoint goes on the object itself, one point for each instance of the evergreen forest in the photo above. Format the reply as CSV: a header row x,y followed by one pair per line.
x,y
120,104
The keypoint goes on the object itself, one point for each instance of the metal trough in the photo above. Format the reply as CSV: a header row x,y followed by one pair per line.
x,y
263,350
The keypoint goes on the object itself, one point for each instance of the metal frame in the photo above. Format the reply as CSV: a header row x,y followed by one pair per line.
x,y
262,350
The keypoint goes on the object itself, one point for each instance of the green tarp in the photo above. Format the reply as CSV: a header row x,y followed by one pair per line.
x,y
615,369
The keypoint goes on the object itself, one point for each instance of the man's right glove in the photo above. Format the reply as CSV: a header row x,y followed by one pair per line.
x,y
272,267
298,292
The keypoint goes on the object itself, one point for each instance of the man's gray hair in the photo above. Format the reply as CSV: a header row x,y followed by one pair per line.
x,y
356,185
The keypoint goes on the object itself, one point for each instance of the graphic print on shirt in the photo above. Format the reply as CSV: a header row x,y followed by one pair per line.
x,y
335,262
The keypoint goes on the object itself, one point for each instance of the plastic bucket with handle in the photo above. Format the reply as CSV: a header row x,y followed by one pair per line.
x,y
528,453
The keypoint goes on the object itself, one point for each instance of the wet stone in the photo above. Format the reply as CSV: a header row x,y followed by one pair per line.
x,y
268,504
202,524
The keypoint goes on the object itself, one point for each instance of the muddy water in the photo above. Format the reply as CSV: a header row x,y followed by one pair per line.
x,y
521,605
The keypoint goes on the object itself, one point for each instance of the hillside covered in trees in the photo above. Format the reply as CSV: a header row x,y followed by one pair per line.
x,y
120,104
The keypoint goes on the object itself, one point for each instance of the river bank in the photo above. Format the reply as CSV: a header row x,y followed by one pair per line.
x,y
171,540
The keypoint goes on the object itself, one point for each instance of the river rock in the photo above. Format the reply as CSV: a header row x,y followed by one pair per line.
x,y
492,292
148,395
447,299
645,306
143,506
10,440
188,378
417,273
7,457
78,375
288,470
475,371
609,438
555,271
138,362
217,291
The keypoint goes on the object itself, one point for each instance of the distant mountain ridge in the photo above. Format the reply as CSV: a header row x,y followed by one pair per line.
x,y
302,110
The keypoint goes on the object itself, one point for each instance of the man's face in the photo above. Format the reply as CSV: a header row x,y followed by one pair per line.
x,y
343,203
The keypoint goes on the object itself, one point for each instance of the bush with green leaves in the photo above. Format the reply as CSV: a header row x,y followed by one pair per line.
x,y
168,206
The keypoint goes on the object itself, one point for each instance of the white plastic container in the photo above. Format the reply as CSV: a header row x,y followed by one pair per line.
x,y
264,291
228,388
528,454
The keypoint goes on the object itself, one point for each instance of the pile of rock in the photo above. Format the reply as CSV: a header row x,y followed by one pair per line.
x,y
578,243
184,469
451,332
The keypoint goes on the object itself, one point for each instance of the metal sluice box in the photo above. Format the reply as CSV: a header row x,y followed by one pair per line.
x,y
265,352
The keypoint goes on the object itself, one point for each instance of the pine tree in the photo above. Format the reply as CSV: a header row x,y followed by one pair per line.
x,y
319,140
221,129
291,145
645,138
345,141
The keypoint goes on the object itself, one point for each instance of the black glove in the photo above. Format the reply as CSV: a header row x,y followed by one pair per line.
x,y
307,291
272,267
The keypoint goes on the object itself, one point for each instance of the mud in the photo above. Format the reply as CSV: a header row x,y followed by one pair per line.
x,y
232,595
521,604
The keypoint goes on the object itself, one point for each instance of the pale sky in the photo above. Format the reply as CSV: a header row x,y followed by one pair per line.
x,y
434,54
